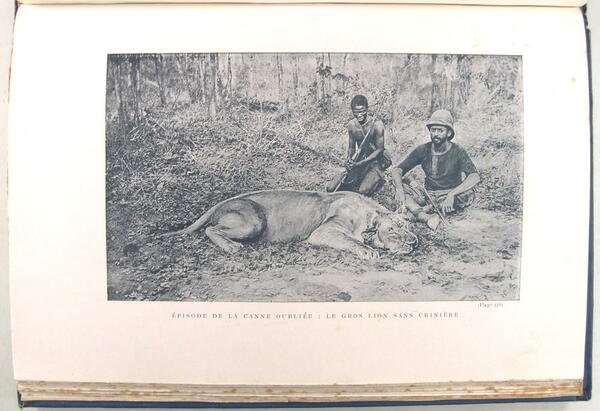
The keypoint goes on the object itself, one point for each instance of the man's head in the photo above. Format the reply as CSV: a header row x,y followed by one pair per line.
x,y
441,127
359,106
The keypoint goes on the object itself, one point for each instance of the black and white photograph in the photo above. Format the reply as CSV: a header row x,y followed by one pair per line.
x,y
314,177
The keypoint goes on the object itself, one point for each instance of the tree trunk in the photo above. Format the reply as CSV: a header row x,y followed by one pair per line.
x,y
160,78
195,71
330,72
121,109
317,80
212,87
183,65
432,96
322,77
464,78
218,81
295,74
200,63
135,82
229,76
279,70
250,89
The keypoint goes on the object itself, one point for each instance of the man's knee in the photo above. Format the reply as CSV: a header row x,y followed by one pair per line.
x,y
413,195
366,191
335,183
367,188
464,200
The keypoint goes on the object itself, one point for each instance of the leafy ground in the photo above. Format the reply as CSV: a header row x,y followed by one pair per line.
x,y
165,173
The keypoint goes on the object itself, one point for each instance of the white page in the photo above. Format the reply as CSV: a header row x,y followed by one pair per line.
x,y
64,329
557,3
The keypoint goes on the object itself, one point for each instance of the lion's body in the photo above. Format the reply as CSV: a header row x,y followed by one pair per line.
x,y
328,219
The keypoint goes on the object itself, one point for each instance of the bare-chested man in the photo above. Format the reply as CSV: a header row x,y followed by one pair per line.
x,y
364,172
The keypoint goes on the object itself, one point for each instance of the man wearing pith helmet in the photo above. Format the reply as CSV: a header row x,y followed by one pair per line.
x,y
450,175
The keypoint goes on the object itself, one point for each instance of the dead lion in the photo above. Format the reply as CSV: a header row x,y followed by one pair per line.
x,y
336,220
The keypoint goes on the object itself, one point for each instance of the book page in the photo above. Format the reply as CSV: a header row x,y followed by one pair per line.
x,y
101,167
559,3
7,386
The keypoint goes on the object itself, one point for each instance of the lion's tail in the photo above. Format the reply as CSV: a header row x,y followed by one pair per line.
x,y
204,218
199,223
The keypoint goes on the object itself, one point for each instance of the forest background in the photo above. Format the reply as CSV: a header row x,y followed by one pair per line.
x,y
185,131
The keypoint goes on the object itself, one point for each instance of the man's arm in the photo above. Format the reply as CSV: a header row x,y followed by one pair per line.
x,y
468,183
351,145
397,174
414,158
471,173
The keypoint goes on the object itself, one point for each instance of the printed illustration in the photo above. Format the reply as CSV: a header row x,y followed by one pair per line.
x,y
313,177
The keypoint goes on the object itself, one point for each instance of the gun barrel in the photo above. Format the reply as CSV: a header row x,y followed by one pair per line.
x,y
435,207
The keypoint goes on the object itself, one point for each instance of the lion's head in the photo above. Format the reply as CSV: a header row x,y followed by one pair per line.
x,y
392,233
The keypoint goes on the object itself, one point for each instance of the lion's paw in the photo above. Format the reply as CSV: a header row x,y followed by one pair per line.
x,y
368,254
232,247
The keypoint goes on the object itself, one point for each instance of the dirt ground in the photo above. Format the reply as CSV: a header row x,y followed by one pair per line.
x,y
475,257
171,156
160,178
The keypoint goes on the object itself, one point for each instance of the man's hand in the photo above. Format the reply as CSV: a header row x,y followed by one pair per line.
x,y
400,201
448,204
349,165
414,184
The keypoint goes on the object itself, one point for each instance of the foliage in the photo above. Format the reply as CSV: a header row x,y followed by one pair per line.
x,y
186,131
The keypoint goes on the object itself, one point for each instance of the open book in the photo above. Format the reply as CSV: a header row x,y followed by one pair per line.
x,y
307,203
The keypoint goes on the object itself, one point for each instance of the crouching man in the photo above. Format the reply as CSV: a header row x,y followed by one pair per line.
x,y
367,158
450,175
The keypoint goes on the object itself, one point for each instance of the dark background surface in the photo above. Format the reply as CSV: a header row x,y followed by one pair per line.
x,y
8,401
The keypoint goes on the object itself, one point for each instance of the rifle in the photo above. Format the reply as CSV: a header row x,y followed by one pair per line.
x,y
356,155
434,205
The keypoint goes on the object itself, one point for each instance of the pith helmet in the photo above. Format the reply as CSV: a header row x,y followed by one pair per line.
x,y
442,118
